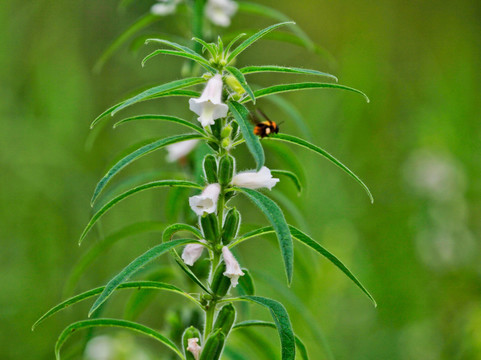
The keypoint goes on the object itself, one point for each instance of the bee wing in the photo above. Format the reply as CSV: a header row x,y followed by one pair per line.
x,y
262,114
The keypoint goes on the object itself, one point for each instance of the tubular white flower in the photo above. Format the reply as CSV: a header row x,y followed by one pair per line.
x,y
192,252
164,7
210,106
220,11
179,150
207,201
232,267
194,347
252,179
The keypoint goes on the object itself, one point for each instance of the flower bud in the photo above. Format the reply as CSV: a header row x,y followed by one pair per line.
x,y
210,169
226,170
189,345
234,84
231,226
225,143
225,319
226,131
220,283
210,228
213,346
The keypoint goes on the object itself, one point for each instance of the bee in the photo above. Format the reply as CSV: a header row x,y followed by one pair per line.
x,y
264,128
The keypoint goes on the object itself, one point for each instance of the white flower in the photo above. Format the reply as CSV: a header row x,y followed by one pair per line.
x,y
192,252
220,11
255,179
193,347
210,106
232,268
207,201
165,7
181,149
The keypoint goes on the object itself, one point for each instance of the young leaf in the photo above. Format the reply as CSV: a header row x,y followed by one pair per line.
x,y
114,201
197,58
308,241
210,47
282,88
157,90
276,217
248,42
283,324
123,324
135,266
144,150
242,80
169,118
188,93
251,323
241,115
283,69
128,285
297,141
291,176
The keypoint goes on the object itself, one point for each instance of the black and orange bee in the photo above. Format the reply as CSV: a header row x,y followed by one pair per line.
x,y
264,127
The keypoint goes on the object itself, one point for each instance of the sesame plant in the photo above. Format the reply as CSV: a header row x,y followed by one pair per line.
x,y
224,103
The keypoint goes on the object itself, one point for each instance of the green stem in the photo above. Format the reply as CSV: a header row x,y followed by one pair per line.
x,y
209,318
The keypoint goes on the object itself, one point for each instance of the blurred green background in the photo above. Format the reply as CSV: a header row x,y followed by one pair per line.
x,y
416,145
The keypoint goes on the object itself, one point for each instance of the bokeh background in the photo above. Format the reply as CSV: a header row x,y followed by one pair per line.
x,y
416,145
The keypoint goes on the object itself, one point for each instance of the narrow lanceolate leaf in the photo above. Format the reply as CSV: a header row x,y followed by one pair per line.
x,y
156,90
150,185
141,23
210,47
308,241
242,80
144,150
283,324
241,115
297,141
188,93
198,59
283,88
168,118
276,218
291,176
94,292
255,323
252,234
135,266
123,324
248,42
283,69
180,47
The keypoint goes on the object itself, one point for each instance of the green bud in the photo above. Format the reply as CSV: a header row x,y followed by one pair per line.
x,y
226,170
226,131
210,169
231,226
212,349
225,143
189,333
234,84
210,227
220,283
225,318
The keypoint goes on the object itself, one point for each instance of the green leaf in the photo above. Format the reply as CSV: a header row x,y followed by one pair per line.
x,y
308,241
144,150
197,58
101,246
141,23
283,69
282,322
210,47
157,90
177,46
135,266
241,115
282,88
169,118
252,234
233,41
297,141
123,324
188,93
252,323
276,217
94,292
114,201
248,42
242,80
290,175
